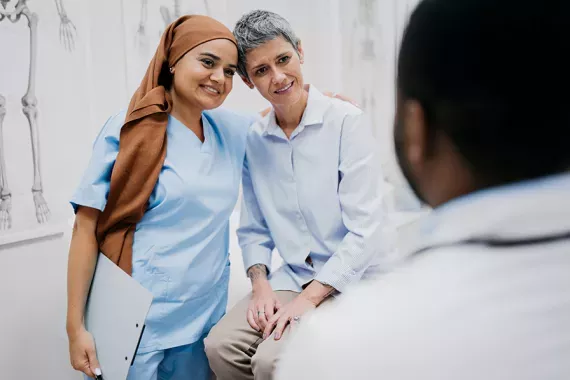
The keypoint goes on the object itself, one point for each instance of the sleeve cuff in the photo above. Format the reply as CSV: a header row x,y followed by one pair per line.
x,y
339,277
256,255
90,196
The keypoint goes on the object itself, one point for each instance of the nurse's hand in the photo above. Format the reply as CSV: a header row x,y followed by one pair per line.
x,y
341,97
82,353
263,305
299,306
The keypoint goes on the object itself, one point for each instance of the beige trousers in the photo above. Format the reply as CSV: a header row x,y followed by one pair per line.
x,y
237,352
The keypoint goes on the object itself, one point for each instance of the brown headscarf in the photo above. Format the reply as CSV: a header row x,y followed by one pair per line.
x,y
142,143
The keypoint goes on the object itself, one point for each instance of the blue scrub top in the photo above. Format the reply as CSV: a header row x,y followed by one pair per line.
x,y
181,245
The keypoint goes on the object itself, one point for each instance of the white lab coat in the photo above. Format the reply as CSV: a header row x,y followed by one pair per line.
x,y
487,296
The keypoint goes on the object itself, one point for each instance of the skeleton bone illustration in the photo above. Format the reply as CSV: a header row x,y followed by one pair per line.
x,y
165,12
29,108
67,30
141,36
141,39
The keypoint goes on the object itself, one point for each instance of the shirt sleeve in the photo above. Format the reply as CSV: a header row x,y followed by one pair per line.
x,y
361,191
253,233
93,188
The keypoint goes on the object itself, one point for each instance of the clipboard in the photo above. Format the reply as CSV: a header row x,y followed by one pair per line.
x,y
115,313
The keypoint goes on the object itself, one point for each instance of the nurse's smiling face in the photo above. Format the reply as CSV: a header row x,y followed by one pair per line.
x,y
203,78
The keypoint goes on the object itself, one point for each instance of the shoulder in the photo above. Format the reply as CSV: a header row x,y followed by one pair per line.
x,y
259,126
341,107
230,120
111,129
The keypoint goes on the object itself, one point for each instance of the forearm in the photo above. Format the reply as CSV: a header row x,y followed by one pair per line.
x,y
83,253
316,292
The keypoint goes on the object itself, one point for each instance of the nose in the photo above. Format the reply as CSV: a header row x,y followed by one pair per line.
x,y
217,75
278,77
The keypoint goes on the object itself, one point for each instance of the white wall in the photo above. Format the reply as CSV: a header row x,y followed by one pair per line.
x,y
78,91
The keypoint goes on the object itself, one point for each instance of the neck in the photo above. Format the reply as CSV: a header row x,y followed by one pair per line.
x,y
185,113
188,115
289,116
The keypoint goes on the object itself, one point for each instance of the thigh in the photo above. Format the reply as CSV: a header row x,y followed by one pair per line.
x,y
270,348
145,366
185,363
234,329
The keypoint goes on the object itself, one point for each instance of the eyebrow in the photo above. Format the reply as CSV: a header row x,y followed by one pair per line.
x,y
217,59
279,56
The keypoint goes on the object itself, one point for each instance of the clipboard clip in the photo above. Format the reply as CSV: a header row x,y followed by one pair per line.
x,y
137,347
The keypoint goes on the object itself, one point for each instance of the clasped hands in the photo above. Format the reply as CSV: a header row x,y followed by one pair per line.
x,y
266,313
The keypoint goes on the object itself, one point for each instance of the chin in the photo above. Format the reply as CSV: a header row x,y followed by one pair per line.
x,y
209,104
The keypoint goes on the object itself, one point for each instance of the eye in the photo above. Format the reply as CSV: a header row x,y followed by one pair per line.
x,y
284,59
261,71
208,62
230,73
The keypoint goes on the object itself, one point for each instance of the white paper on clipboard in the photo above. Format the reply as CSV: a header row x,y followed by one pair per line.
x,y
115,315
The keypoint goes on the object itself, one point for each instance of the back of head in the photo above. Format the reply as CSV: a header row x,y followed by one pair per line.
x,y
492,75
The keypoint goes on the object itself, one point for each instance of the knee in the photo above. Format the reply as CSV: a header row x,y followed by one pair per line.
x,y
263,363
216,345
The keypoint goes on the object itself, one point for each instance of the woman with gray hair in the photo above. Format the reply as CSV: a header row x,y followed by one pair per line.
x,y
312,189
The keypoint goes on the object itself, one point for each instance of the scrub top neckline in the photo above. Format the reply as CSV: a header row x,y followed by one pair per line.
x,y
205,147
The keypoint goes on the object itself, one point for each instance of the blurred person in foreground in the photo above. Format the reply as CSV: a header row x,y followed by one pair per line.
x,y
482,132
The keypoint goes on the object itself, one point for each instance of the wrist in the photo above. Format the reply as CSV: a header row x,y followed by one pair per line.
x,y
74,328
259,284
316,292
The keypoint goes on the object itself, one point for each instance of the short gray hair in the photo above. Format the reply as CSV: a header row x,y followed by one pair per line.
x,y
256,28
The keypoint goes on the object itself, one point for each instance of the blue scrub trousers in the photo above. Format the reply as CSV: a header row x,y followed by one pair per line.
x,y
179,363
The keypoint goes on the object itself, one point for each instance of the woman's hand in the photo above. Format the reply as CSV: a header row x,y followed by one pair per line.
x,y
291,311
82,353
341,97
263,305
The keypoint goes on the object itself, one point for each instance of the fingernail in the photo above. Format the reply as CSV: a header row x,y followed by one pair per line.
x,y
277,336
97,372
264,335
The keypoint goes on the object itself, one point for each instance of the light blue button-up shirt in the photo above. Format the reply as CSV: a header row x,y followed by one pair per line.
x,y
181,246
316,197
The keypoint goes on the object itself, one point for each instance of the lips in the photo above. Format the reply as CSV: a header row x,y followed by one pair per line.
x,y
284,89
210,89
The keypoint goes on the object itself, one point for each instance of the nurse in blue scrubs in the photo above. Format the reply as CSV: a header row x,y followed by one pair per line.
x,y
180,246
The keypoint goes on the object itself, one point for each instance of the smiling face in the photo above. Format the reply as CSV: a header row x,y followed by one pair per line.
x,y
274,68
203,78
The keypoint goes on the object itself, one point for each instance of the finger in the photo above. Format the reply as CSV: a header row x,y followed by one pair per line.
x,y
281,327
344,98
82,366
69,39
86,369
261,317
251,321
269,310
72,36
93,362
278,305
271,324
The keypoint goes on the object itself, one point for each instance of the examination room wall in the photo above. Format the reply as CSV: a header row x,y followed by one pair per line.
x,y
350,48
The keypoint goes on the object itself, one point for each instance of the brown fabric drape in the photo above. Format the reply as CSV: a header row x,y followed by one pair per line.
x,y
142,143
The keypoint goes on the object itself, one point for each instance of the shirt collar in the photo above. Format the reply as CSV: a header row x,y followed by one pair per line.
x,y
314,114
523,210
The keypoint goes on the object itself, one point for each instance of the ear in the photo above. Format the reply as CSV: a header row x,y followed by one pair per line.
x,y
415,132
247,82
301,51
